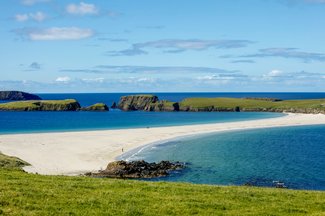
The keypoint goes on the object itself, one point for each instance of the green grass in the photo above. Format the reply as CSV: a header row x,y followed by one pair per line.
x,y
8,162
29,194
252,104
34,104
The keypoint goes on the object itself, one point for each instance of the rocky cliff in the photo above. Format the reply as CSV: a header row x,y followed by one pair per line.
x,y
43,105
17,95
146,103
136,102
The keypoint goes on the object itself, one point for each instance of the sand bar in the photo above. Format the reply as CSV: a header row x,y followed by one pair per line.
x,y
71,153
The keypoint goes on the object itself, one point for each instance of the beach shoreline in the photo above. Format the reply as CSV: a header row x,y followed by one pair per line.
x,y
73,153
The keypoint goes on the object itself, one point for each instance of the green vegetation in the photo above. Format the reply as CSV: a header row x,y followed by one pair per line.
x,y
30,194
96,107
308,106
39,105
7,162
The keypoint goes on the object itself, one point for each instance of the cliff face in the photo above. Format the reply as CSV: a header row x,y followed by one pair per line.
x,y
17,95
59,105
146,103
136,102
152,103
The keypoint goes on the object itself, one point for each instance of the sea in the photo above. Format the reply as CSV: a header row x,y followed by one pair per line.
x,y
259,157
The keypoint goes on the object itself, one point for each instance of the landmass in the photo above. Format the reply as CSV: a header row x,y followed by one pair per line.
x,y
152,103
18,95
96,107
51,105
41,105
137,169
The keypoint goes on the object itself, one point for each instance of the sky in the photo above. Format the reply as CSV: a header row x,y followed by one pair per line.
x,y
56,46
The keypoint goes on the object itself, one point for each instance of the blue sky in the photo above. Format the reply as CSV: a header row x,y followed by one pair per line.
x,y
162,46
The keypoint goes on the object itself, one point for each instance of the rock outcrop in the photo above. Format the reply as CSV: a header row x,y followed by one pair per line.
x,y
114,106
138,169
96,107
43,105
17,95
136,102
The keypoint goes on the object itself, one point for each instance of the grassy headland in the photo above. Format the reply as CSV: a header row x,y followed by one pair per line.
x,y
41,105
30,194
253,104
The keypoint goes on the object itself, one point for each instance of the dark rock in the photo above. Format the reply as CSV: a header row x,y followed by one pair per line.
x,y
96,107
17,95
136,102
146,103
114,106
163,105
138,169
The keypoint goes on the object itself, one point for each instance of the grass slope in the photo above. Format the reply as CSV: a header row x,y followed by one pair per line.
x,y
8,162
29,194
253,103
36,104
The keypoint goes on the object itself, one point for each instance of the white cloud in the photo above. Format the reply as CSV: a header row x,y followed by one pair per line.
x,y
64,79
55,33
82,9
32,2
272,74
95,80
180,45
21,17
38,16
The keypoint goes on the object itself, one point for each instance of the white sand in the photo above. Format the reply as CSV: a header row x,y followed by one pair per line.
x,y
69,153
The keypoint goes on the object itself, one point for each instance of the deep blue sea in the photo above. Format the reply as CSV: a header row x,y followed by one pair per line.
x,y
294,155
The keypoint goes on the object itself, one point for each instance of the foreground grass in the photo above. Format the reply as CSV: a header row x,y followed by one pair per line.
x,y
28,194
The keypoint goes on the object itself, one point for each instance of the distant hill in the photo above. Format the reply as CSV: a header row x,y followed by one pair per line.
x,y
17,95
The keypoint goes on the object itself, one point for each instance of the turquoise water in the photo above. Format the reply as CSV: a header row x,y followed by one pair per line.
x,y
29,122
294,155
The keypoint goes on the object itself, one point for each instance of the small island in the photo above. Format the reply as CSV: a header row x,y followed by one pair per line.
x,y
18,95
51,105
41,105
96,107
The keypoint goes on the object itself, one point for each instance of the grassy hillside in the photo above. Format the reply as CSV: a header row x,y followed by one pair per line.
x,y
7,162
46,105
28,194
254,104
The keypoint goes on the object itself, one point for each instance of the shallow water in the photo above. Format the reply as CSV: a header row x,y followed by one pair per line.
x,y
294,155
24,122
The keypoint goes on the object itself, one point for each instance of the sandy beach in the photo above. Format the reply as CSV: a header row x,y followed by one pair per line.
x,y
72,153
